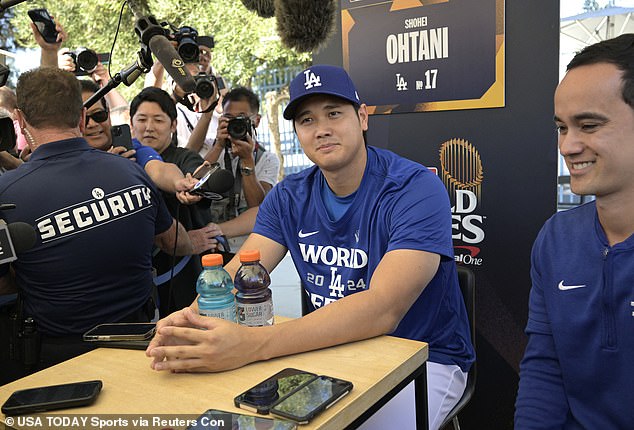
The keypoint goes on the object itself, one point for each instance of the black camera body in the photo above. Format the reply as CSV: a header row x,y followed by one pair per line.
x,y
205,85
239,127
85,60
187,43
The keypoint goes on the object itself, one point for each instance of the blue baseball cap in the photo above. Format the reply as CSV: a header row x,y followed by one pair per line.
x,y
320,79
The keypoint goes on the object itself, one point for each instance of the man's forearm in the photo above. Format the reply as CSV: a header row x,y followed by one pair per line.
x,y
48,58
199,133
164,175
166,240
240,225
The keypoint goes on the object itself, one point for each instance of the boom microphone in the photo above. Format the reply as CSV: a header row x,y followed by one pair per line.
x,y
305,25
6,4
264,8
152,34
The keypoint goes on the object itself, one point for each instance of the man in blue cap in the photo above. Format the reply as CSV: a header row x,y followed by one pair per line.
x,y
352,224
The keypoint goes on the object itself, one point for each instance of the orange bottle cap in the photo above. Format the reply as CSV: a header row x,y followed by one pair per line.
x,y
249,255
212,260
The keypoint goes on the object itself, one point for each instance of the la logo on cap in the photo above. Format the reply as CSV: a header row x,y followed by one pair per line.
x,y
311,80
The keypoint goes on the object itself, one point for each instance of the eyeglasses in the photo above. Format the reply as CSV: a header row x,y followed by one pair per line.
x,y
98,116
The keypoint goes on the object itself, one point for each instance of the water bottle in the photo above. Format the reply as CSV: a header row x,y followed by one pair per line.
x,y
214,287
254,302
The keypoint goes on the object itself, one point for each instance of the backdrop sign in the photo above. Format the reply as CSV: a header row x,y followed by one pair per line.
x,y
425,55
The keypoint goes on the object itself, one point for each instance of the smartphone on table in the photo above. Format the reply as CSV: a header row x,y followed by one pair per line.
x,y
44,23
312,398
121,331
52,397
121,136
261,397
214,419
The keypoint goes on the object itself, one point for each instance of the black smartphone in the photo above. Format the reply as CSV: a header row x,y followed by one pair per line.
x,y
121,136
120,331
214,419
52,397
310,399
44,23
261,397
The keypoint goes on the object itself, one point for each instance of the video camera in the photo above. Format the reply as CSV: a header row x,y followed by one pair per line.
x,y
86,60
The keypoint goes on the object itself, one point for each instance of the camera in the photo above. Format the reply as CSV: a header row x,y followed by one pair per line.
x,y
4,75
239,127
187,40
205,85
85,60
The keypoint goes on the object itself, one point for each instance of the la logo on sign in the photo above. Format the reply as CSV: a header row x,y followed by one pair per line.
x,y
311,80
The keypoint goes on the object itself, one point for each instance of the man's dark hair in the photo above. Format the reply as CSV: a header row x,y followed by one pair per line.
x,y
91,87
618,51
239,94
156,95
49,97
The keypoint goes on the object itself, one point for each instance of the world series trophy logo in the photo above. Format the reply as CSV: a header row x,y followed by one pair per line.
x,y
461,167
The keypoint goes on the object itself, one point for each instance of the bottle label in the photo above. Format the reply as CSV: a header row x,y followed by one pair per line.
x,y
255,314
228,313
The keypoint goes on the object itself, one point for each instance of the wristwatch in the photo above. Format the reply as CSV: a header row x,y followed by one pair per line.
x,y
246,171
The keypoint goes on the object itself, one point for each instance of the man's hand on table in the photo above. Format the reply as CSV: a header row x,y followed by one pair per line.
x,y
188,342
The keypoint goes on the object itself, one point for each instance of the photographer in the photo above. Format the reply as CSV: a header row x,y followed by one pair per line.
x,y
188,119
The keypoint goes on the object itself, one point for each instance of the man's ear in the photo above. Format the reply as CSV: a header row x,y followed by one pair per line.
x,y
256,120
363,116
19,116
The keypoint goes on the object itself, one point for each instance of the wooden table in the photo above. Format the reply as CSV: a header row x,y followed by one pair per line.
x,y
378,368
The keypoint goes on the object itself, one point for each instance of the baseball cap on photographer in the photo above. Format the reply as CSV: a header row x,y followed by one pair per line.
x,y
320,79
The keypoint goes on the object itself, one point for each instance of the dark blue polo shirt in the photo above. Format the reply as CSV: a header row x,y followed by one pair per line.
x,y
95,215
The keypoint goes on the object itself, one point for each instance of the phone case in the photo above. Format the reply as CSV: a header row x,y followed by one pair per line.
x,y
345,388
263,407
38,405
121,136
44,23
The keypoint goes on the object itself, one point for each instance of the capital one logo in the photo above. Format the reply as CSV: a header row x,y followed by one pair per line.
x,y
311,80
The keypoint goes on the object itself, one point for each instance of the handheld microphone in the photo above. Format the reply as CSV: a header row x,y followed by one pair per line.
x,y
305,25
6,4
220,181
150,33
15,238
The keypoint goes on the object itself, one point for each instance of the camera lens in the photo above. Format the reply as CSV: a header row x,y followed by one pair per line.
x,y
87,60
204,86
188,50
239,127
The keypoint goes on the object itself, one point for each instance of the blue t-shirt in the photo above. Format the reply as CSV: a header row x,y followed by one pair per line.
x,y
398,205
95,215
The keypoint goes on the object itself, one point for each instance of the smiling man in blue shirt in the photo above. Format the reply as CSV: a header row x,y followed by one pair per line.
x,y
577,369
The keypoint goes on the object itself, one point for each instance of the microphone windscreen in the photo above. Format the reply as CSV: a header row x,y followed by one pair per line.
x,y
264,8
220,181
22,236
174,65
305,25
